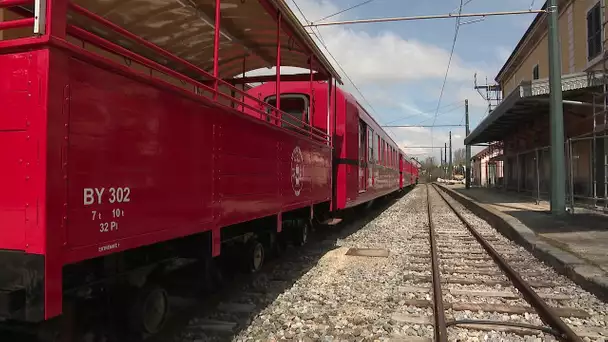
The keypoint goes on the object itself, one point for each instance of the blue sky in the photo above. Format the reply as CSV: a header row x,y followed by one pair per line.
x,y
399,67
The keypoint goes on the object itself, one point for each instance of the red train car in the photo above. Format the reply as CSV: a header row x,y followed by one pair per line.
x,y
367,162
128,154
134,145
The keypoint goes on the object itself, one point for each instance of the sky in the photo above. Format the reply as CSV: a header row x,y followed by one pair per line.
x,y
399,67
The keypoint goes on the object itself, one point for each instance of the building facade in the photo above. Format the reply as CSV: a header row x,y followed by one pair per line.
x,y
521,121
487,168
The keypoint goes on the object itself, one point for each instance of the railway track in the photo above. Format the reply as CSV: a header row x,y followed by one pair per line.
x,y
377,284
484,282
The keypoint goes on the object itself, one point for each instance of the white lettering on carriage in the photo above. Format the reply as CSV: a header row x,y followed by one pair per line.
x,y
115,195
109,247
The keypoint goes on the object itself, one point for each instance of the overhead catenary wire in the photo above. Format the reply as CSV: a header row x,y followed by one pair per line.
x,y
347,9
425,17
299,10
447,71
459,8
430,111
322,41
443,113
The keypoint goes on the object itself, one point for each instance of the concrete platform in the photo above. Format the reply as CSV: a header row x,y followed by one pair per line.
x,y
576,245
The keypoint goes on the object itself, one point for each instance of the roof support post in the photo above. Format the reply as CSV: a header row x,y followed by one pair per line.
x,y
558,177
312,96
450,166
216,49
278,82
330,108
55,17
243,85
467,172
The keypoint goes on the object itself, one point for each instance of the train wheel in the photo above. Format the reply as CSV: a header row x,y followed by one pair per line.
x,y
150,310
279,244
60,329
255,255
301,233
213,278
48,334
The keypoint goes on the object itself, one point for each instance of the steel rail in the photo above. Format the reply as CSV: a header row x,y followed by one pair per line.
x,y
501,323
546,313
441,332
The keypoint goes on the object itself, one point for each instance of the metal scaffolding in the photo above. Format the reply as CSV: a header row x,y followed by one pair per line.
x,y
588,178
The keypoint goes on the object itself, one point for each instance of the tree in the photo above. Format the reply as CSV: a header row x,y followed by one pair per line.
x,y
429,162
429,169
459,157
459,161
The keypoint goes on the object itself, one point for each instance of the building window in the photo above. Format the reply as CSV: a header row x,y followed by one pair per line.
x,y
535,74
594,32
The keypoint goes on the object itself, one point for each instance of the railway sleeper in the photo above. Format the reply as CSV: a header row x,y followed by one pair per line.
x,y
497,308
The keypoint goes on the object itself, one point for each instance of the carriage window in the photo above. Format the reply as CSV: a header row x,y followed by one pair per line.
x,y
296,106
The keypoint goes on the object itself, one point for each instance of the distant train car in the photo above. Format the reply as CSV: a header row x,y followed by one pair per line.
x,y
367,163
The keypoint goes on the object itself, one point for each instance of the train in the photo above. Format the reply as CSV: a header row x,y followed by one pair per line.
x,y
124,156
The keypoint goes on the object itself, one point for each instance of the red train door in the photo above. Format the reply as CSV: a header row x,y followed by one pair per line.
x,y
362,157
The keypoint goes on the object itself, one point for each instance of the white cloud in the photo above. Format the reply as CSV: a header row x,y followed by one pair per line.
x,y
382,60
381,57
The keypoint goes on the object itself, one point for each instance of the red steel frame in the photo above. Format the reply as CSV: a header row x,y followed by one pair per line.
x,y
57,27
55,33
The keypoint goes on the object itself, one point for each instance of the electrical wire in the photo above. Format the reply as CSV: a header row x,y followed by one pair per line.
x,y
441,114
459,8
448,67
322,41
299,10
431,111
347,9
320,38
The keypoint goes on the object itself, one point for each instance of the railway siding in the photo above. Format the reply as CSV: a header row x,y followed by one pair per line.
x,y
578,267
580,310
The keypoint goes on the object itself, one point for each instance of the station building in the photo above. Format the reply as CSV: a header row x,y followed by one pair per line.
x,y
519,126
487,168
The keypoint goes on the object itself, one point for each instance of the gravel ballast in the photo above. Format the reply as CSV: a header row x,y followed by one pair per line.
x,y
341,297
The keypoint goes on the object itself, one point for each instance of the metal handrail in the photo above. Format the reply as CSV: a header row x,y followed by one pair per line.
x,y
17,23
91,37
13,3
322,134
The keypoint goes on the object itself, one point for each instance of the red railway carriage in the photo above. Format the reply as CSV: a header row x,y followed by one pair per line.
x,y
367,163
121,147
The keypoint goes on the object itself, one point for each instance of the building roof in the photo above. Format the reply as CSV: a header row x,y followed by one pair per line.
x,y
538,26
527,100
185,28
